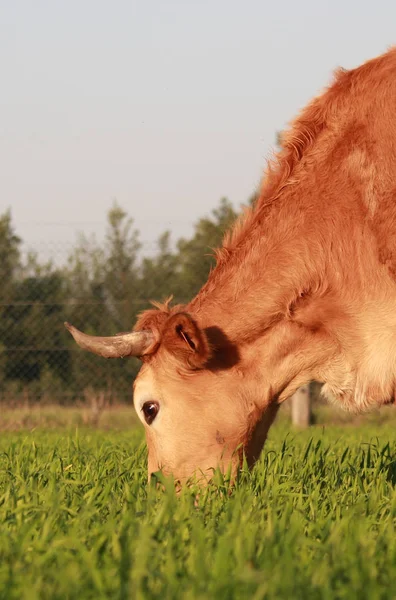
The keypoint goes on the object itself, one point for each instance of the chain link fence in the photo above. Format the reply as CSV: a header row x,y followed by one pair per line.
x,y
39,361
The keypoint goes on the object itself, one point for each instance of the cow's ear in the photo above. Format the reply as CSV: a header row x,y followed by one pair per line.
x,y
184,339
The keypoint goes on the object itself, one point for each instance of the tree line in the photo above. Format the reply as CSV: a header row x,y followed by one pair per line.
x,y
101,288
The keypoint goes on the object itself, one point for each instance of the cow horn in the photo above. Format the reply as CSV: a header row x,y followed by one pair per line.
x,y
135,343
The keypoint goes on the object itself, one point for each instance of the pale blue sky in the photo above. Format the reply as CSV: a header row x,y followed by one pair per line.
x,y
164,105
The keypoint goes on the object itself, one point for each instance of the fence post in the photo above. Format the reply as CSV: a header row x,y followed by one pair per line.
x,y
301,408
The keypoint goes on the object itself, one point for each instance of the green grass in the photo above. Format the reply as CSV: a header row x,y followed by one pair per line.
x,y
315,519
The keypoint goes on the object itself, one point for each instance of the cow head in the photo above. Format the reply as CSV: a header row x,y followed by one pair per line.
x,y
203,400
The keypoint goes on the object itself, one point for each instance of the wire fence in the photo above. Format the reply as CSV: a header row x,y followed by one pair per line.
x,y
39,361
99,283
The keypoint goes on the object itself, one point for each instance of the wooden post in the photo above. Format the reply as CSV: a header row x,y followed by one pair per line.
x,y
301,409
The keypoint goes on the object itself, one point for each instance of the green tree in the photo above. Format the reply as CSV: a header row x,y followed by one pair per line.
x,y
32,298
160,275
196,256
84,275
9,255
104,297
34,341
121,278
9,269
103,281
101,290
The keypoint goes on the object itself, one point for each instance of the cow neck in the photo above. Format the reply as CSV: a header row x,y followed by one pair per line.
x,y
274,254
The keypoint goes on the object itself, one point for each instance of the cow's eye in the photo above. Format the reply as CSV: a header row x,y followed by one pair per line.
x,y
150,410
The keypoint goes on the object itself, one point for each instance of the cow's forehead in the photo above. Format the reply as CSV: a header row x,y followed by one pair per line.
x,y
144,381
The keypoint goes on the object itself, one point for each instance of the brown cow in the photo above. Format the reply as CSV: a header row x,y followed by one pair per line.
x,y
304,288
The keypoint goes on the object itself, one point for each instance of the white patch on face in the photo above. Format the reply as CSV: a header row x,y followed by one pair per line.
x,y
145,391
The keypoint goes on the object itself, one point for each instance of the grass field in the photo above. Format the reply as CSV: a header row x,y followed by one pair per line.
x,y
315,519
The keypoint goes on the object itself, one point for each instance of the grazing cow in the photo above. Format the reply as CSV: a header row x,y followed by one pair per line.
x,y
304,289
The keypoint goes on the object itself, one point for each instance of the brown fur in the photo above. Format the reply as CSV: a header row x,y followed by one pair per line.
x,y
304,285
